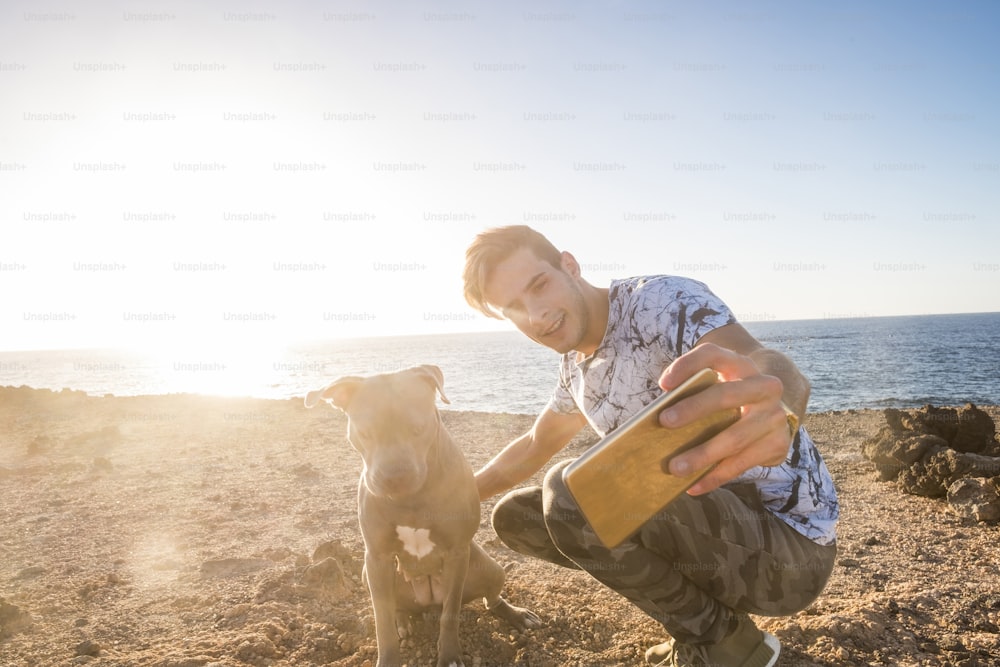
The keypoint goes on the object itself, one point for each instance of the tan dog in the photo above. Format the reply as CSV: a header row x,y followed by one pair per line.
x,y
418,507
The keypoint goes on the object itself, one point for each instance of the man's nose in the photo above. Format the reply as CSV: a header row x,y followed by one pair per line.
x,y
536,312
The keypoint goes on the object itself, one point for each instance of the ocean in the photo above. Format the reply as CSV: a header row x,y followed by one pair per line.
x,y
872,362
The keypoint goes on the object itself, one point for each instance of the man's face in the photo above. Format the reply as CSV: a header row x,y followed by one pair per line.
x,y
545,303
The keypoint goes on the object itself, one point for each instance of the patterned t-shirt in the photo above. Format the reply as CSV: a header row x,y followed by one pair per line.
x,y
651,321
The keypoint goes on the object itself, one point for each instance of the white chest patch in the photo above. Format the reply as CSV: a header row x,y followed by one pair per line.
x,y
416,541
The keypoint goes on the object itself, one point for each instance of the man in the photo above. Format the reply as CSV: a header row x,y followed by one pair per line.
x,y
755,535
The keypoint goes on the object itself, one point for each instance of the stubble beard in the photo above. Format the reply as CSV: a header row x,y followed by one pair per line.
x,y
579,311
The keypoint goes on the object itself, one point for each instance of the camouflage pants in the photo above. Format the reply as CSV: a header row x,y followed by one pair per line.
x,y
694,567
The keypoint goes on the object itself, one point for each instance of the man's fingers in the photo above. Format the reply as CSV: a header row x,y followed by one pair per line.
x,y
708,355
721,396
741,446
714,479
760,437
722,446
733,466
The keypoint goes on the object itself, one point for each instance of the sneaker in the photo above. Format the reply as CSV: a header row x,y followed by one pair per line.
x,y
746,647
655,655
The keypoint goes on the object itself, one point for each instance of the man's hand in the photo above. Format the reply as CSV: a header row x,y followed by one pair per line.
x,y
761,436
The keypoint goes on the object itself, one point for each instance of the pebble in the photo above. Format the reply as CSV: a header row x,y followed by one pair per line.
x,y
88,647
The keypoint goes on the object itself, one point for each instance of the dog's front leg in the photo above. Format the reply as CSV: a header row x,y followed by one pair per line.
x,y
380,571
456,566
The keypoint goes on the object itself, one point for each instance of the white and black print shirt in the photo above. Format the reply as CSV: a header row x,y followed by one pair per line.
x,y
651,321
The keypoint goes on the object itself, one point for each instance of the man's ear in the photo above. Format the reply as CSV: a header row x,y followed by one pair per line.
x,y
569,264
435,377
338,393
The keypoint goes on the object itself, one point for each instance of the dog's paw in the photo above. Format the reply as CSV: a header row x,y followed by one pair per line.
x,y
519,617
528,618
404,624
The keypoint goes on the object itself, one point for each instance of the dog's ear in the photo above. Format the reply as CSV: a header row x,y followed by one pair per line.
x,y
435,376
338,393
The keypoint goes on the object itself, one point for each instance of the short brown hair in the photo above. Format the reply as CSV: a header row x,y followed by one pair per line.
x,y
494,246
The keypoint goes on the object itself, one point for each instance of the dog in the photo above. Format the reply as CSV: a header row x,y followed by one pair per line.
x,y
418,507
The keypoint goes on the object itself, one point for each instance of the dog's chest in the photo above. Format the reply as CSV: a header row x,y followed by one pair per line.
x,y
416,553
421,565
416,541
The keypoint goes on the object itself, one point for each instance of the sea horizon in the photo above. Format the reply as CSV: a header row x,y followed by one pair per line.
x,y
852,362
762,319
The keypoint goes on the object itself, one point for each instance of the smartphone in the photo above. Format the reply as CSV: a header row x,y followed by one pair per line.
x,y
622,480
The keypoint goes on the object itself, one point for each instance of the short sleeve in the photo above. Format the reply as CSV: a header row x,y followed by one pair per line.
x,y
562,401
675,313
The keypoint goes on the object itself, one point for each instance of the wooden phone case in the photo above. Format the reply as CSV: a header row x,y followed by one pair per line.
x,y
621,481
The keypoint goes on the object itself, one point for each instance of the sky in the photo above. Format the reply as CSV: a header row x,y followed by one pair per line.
x,y
184,173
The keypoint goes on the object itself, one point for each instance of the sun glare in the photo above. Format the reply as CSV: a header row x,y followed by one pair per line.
x,y
218,367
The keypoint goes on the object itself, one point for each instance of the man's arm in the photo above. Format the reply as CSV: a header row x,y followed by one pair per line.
x,y
757,380
526,455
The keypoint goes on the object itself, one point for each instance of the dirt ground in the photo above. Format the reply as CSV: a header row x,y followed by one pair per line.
x,y
187,531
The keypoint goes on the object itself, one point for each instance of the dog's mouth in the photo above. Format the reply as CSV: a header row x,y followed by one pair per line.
x,y
394,486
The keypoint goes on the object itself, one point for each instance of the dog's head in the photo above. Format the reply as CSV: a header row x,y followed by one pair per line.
x,y
393,422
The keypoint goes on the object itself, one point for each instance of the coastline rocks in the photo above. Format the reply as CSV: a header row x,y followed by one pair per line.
x,y
941,452
933,475
976,498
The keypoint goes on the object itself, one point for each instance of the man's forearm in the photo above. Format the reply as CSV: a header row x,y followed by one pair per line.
x,y
510,467
796,386
526,455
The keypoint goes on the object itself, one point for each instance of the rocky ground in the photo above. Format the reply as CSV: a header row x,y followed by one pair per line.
x,y
187,531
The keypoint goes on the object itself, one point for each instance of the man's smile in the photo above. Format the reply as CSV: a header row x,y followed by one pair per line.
x,y
555,326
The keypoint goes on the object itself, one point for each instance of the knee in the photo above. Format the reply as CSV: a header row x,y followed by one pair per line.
x,y
563,518
520,523
518,520
558,504
512,512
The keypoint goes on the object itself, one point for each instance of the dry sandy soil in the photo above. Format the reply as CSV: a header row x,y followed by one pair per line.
x,y
184,531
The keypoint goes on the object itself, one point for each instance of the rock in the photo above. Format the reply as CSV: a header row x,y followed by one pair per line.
x,y
12,619
101,464
227,567
967,429
934,475
928,450
893,452
327,575
30,572
307,472
976,432
331,548
87,647
185,661
40,444
976,498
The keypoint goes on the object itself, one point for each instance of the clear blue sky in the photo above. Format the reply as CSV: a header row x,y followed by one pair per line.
x,y
275,171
